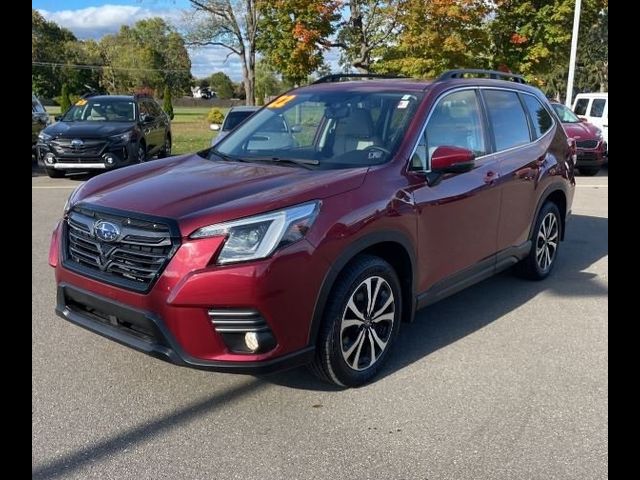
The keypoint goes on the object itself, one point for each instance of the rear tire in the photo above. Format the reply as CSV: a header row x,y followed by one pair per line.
x,y
544,244
589,171
142,152
361,321
53,173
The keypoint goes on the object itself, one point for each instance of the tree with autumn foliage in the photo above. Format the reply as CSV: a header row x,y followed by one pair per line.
x,y
533,37
436,35
293,35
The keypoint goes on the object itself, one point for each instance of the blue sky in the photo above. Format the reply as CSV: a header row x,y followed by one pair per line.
x,y
95,18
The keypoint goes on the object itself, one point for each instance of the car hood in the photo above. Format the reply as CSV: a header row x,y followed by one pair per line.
x,y
92,129
581,131
197,192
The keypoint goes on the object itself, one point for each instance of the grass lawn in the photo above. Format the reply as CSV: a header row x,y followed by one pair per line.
x,y
189,128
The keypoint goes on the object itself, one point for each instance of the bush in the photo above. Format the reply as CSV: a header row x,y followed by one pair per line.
x,y
65,101
167,106
215,115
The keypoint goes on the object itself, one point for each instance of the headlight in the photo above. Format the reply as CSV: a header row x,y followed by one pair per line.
x,y
121,137
71,200
44,137
598,134
258,237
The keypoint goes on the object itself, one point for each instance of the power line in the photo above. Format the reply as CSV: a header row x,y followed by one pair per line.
x,y
102,67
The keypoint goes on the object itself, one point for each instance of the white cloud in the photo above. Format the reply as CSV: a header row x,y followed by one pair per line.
x,y
96,22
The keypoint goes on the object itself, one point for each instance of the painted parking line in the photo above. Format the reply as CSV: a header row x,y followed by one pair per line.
x,y
592,186
52,187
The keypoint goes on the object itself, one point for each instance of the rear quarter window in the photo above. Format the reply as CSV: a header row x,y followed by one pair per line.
x,y
540,118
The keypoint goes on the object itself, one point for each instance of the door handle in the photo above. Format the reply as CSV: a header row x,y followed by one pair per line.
x,y
490,177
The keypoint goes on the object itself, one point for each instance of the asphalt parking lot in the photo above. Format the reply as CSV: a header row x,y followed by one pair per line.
x,y
506,380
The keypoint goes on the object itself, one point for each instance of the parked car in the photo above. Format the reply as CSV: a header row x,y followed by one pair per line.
x,y
590,143
594,107
39,120
104,132
235,116
249,257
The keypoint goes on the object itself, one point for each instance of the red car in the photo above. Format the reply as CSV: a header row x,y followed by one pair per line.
x,y
591,147
252,257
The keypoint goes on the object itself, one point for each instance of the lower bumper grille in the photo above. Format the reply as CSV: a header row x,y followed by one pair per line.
x,y
587,143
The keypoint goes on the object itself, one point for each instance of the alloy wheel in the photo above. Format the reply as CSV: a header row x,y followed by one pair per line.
x,y
367,323
547,241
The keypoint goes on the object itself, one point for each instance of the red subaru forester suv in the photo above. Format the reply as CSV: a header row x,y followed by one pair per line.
x,y
324,221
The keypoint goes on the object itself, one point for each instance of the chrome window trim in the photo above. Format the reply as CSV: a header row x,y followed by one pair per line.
x,y
476,87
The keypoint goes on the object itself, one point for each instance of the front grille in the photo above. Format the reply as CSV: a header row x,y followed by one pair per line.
x,y
134,259
63,146
80,160
587,143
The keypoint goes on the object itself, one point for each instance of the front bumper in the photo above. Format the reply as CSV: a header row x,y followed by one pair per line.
x,y
172,320
147,333
591,157
122,154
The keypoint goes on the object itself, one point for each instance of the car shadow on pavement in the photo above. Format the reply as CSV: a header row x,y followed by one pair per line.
x,y
62,467
462,314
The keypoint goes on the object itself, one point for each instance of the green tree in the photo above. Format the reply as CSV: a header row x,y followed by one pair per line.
x,y
267,82
215,115
65,101
233,25
293,35
147,55
203,82
167,106
436,36
221,84
48,42
370,26
533,37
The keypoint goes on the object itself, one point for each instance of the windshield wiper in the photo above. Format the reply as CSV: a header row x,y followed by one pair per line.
x,y
226,158
301,162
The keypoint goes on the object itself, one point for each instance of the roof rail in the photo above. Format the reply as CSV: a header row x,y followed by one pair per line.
x,y
336,77
478,73
91,94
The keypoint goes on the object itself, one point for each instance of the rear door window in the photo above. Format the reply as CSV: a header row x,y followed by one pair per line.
x,y
507,117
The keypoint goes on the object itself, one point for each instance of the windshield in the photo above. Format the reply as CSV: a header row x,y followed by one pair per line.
x,y
102,110
565,114
328,130
234,119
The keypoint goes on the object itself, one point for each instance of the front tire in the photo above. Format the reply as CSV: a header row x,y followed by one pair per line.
x,y
166,149
53,173
544,244
361,321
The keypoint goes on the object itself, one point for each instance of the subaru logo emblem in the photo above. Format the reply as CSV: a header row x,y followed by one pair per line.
x,y
106,231
77,143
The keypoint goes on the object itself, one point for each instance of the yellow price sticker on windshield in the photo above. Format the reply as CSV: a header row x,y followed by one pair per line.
x,y
281,101
81,102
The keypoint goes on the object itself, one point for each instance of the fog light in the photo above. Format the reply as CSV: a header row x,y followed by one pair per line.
x,y
49,158
251,341
109,159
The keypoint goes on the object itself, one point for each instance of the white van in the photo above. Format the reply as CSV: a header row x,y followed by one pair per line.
x,y
594,107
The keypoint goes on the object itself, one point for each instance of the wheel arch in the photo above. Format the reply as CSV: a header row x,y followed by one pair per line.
x,y
557,194
392,246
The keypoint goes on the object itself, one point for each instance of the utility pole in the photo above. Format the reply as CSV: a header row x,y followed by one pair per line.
x,y
574,50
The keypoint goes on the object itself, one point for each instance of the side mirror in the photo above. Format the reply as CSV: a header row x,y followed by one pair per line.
x,y
146,118
57,118
583,120
296,128
215,127
449,159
